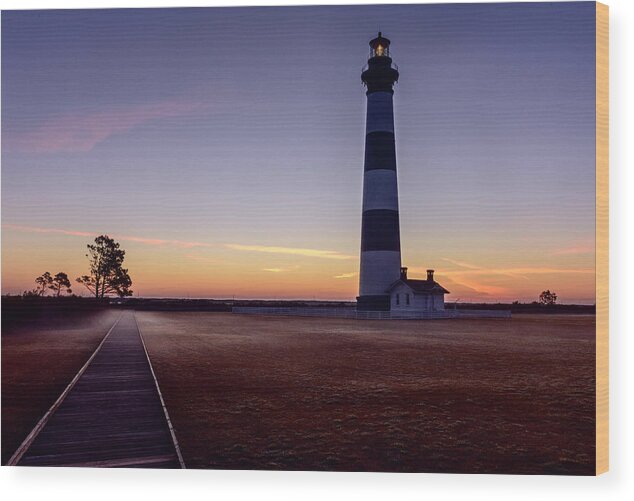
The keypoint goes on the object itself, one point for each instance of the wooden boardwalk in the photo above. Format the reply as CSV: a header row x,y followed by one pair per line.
x,y
112,416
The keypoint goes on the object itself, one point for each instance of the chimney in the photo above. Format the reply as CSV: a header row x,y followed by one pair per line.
x,y
430,275
403,272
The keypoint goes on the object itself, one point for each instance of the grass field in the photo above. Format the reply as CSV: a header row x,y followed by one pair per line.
x,y
40,355
505,396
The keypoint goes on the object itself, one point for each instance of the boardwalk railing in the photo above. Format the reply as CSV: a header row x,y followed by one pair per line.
x,y
369,315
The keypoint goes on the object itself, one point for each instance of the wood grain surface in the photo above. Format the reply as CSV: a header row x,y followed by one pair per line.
x,y
602,238
112,416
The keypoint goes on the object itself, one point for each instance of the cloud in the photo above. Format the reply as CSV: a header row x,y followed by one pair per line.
x,y
81,132
324,254
147,241
477,289
472,269
34,229
461,264
346,275
575,249
535,270
460,290
469,280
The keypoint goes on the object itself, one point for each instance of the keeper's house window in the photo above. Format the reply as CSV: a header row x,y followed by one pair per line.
x,y
407,299
398,299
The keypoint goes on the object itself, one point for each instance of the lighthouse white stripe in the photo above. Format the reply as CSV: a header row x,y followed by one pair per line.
x,y
380,115
380,190
379,270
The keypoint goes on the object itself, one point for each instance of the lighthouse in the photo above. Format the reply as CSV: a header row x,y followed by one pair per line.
x,y
380,236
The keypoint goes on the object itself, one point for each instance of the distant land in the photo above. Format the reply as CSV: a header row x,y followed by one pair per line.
x,y
14,304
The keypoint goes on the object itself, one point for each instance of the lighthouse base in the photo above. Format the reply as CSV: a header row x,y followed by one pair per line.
x,y
373,303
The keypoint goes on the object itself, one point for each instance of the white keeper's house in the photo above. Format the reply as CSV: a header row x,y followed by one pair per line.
x,y
413,295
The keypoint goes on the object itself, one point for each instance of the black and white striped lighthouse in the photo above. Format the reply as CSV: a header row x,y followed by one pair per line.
x,y
380,236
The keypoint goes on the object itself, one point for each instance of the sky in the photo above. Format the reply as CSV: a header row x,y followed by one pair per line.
x,y
223,147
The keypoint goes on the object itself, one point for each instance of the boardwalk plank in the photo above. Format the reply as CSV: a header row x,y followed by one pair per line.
x,y
113,416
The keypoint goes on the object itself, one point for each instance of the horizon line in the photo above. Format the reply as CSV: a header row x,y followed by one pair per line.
x,y
229,299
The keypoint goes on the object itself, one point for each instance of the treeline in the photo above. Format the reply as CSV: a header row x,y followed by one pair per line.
x,y
220,305
534,307
106,276
178,304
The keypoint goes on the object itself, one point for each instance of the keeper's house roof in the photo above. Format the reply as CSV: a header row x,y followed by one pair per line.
x,y
420,286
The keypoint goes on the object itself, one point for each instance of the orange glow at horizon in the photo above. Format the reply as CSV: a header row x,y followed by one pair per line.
x,y
170,268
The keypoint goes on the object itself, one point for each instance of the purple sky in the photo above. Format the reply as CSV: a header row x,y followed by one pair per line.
x,y
246,126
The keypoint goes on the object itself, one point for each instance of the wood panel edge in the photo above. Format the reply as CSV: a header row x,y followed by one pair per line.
x,y
602,238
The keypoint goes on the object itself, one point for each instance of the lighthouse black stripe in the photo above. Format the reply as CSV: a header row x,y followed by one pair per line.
x,y
380,152
380,230
380,114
